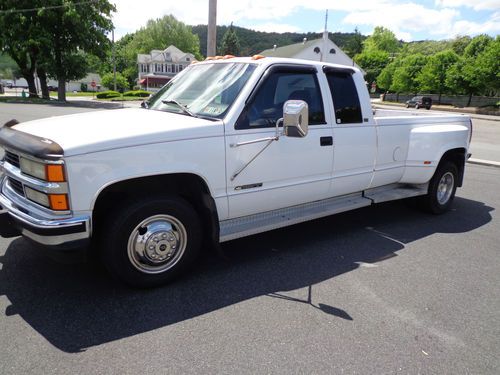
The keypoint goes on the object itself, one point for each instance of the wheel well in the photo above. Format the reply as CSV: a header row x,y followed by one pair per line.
x,y
456,156
190,187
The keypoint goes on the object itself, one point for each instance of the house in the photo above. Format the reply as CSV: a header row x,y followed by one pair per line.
x,y
316,50
159,67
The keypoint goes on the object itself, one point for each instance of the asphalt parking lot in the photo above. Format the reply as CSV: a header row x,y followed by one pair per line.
x,y
381,290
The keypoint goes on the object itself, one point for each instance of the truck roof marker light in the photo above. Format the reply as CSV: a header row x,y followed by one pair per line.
x,y
427,162
229,57
219,57
194,62
257,57
210,58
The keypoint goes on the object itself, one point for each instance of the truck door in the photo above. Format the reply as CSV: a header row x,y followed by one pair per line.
x,y
354,133
289,171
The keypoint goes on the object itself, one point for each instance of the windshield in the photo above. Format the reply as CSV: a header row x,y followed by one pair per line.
x,y
205,90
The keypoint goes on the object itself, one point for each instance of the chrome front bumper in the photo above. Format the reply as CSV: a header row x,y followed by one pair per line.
x,y
20,217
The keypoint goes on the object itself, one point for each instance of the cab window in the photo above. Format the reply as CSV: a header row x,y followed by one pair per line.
x,y
266,106
345,98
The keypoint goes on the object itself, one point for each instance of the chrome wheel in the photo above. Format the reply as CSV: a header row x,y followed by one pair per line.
x,y
445,188
157,244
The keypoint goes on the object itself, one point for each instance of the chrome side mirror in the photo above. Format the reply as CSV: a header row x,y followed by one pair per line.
x,y
295,118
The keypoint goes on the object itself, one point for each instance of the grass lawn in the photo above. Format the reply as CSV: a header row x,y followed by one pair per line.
x,y
19,99
88,93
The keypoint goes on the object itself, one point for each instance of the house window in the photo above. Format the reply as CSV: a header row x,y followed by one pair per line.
x,y
188,59
180,67
169,68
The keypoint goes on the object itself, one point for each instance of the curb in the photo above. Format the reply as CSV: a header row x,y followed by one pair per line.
x,y
488,163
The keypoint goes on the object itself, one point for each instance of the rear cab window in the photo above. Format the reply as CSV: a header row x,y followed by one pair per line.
x,y
344,95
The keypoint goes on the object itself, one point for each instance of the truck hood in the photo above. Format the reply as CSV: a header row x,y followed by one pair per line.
x,y
109,129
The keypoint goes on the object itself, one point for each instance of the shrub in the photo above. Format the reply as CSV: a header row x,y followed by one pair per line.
x,y
108,94
83,87
138,93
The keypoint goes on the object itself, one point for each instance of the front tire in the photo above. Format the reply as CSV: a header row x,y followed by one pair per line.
x,y
151,242
442,188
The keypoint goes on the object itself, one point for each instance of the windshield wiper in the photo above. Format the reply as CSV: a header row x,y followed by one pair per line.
x,y
183,107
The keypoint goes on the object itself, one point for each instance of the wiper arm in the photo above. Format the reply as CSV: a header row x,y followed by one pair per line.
x,y
183,107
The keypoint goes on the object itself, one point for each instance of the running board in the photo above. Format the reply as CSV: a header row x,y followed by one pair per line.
x,y
395,192
262,222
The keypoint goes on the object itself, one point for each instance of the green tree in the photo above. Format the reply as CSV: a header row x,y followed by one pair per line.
x,y
433,75
405,76
488,65
372,62
382,39
19,33
459,43
161,33
384,79
354,45
230,43
468,75
70,30
122,83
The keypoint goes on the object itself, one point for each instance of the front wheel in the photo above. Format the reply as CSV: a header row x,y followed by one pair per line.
x,y
442,188
151,242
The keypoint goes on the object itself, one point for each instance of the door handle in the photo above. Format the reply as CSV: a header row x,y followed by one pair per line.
x,y
326,141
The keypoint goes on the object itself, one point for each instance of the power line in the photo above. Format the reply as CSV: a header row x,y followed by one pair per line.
x,y
27,10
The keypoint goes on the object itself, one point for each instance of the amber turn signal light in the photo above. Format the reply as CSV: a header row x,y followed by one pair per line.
x,y
55,173
58,202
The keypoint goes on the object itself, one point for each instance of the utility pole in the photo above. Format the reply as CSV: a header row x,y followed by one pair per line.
x,y
212,27
114,60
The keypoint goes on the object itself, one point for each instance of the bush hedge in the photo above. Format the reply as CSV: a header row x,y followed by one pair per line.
x,y
108,94
138,93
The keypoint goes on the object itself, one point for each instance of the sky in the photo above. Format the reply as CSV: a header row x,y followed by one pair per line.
x,y
409,20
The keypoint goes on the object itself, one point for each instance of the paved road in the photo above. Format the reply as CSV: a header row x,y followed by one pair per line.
x,y
26,112
486,133
384,289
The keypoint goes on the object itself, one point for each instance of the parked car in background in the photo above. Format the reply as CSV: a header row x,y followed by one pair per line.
x,y
419,102
7,83
52,88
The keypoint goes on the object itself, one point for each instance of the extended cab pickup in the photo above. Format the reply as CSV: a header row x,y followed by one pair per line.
x,y
228,148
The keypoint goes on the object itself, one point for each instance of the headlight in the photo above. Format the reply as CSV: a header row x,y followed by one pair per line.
x,y
36,196
32,168
46,172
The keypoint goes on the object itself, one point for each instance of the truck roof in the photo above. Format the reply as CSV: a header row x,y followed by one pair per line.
x,y
266,61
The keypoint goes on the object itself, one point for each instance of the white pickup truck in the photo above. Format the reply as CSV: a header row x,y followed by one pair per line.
x,y
229,148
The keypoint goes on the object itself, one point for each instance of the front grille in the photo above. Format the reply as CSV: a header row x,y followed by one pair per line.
x,y
12,158
17,186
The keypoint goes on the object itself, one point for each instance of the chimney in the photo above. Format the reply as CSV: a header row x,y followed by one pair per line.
x,y
304,41
274,47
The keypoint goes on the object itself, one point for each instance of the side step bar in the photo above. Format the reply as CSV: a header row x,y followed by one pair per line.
x,y
262,222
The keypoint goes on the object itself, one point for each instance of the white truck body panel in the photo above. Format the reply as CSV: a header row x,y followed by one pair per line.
x,y
103,148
